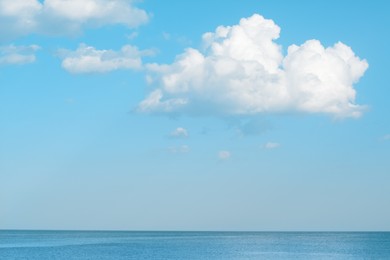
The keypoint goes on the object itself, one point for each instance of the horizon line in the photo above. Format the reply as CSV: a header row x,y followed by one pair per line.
x,y
201,231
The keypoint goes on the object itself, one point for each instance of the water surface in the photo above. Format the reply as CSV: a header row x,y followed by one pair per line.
x,y
98,245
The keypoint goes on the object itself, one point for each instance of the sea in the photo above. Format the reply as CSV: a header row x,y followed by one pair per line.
x,y
98,245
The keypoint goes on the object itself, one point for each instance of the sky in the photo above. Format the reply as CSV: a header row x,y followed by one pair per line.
x,y
251,115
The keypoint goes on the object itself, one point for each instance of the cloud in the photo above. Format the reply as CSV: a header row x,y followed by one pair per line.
x,y
386,137
87,59
132,36
154,103
241,71
271,145
180,149
17,55
179,132
166,36
182,40
59,17
224,155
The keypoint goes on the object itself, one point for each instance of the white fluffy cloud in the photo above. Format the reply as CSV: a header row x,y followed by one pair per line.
x,y
179,132
242,71
87,59
12,54
22,17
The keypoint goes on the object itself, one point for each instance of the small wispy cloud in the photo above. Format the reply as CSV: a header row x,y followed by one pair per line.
x,y
179,149
224,155
166,36
132,36
271,145
179,132
88,59
182,40
17,55
386,137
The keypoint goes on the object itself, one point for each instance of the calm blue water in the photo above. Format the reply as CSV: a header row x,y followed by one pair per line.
x,y
44,245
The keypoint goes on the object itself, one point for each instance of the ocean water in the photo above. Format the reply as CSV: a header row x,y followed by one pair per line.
x,y
97,245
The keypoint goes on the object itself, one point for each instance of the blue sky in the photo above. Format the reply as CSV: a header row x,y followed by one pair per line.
x,y
145,116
